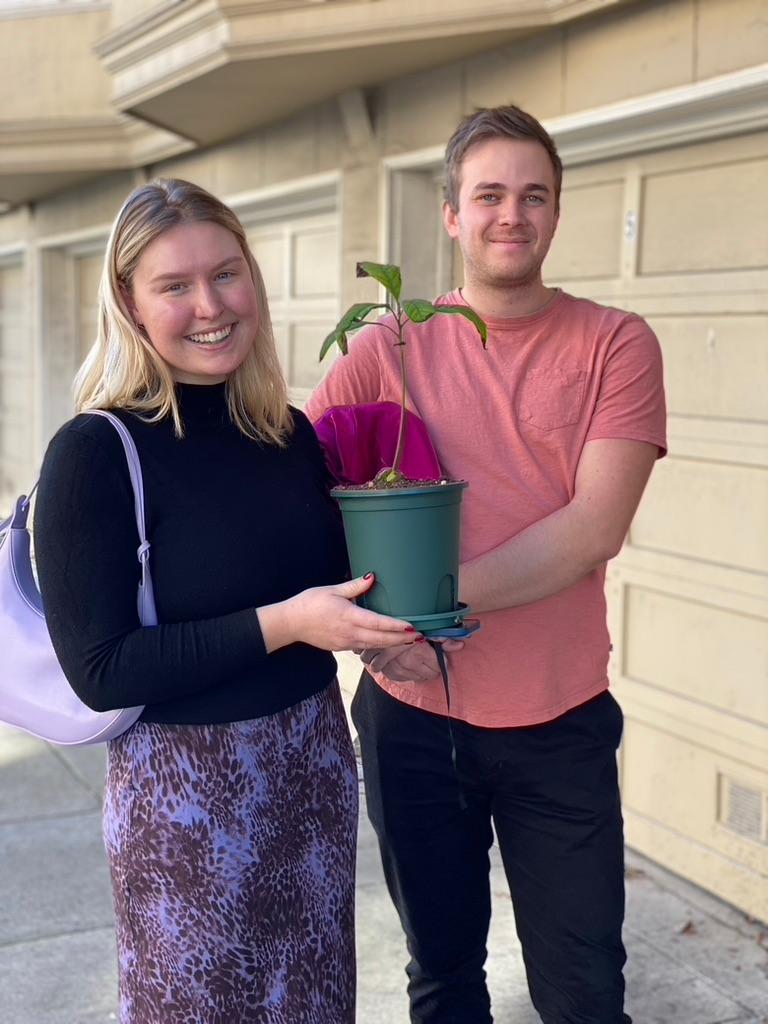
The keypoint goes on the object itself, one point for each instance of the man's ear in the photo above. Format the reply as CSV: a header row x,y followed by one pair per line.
x,y
451,219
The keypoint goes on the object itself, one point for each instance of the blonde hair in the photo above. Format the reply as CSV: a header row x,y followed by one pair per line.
x,y
123,369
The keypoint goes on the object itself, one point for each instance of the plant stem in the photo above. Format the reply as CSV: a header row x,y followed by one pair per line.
x,y
401,432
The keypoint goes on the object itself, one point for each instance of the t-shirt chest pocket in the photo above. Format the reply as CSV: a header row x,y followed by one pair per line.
x,y
551,397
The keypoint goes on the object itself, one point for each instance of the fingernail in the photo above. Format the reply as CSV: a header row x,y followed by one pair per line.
x,y
368,576
410,629
420,640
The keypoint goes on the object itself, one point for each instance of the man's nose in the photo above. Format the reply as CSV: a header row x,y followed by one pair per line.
x,y
511,211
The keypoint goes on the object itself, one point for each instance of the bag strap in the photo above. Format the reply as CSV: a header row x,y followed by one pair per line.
x,y
146,597
146,594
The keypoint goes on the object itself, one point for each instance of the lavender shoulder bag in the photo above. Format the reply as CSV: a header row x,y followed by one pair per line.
x,y
34,692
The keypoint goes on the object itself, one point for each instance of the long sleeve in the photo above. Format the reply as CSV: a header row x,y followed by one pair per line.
x,y
233,525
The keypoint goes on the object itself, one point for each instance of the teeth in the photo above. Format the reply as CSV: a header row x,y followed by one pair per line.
x,y
211,337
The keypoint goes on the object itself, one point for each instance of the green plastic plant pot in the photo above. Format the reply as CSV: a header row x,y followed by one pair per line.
x,y
409,537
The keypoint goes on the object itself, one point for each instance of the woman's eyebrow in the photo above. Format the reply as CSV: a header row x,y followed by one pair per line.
x,y
185,273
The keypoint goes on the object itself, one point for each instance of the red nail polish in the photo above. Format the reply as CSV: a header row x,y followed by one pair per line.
x,y
369,576
410,629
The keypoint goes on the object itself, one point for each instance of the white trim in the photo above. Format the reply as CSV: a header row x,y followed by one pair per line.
x,y
312,194
13,252
414,159
730,104
14,9
75,239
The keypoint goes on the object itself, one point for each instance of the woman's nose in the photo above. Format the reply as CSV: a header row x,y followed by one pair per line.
x,y
208,303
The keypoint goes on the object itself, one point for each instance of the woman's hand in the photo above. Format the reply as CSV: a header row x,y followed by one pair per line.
x,y
326,617
412,663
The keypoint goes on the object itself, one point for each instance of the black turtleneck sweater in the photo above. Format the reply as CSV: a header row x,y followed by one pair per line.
x,y
233,525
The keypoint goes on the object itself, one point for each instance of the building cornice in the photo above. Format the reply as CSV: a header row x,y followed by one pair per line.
x,y
41,143
182,41
41,155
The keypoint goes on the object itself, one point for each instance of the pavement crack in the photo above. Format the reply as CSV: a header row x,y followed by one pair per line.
x,y
64,934
86,812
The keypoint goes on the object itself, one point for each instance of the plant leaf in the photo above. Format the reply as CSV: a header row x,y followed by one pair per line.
x,y
468,314
385,273
330,340
352,320
419,310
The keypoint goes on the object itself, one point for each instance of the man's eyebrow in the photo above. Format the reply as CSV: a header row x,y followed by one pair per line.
x,y
490,186
498,186
174,274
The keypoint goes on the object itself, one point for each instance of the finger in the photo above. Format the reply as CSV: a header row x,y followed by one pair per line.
x,y
383,657
372,638
449,645
367,619
354,588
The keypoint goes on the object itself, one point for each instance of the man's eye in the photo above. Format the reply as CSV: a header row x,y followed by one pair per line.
x,y
176,286
535,199
488,197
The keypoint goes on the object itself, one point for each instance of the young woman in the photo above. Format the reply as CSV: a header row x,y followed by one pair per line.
x,y
231,805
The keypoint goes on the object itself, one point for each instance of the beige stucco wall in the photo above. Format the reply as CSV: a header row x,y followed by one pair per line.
x,y
37,59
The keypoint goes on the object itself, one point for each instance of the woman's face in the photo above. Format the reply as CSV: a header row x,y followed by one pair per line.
x,y
192,291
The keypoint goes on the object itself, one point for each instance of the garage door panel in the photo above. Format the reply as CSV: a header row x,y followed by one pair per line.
x,y
653,758
269,249
696,650
704,510
306,339
705,219
315,257
299,258
715,365
588,239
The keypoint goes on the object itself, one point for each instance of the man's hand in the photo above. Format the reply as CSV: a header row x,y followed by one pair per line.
x,y
411,663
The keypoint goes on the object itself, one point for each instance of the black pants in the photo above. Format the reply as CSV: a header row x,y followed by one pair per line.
x,y
551,792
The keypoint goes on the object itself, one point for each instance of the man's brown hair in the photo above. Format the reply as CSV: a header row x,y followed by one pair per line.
x,y
492,123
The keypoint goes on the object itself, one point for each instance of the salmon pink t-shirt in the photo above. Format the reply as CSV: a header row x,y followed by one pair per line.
x,y
513,421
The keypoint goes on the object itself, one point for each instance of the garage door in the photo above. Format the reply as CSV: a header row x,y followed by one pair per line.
x,y
16,414
87,276
299,259
681,236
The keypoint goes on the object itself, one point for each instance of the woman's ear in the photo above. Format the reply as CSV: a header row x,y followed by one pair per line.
x,y
130,305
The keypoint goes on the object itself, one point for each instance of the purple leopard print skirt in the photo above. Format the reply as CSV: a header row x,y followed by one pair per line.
x,y
232,851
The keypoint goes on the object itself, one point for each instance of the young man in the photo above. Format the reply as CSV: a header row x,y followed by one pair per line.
x,y
557,427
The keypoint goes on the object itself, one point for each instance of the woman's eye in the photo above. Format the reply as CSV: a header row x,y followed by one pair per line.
x,y
225,275
176,286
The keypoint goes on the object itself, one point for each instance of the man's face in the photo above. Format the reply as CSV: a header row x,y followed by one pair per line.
x,y
507,212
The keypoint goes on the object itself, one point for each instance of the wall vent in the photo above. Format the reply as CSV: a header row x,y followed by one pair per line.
x,y
743,810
